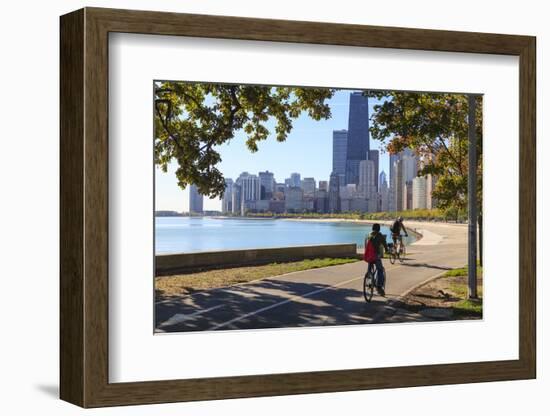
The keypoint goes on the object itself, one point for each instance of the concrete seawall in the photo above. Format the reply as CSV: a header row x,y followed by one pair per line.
x,y
184,262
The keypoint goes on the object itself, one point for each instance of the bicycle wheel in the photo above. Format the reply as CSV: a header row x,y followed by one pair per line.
x,y
391,255
368,286
401,253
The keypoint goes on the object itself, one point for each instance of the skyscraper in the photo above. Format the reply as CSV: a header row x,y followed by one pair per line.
x,y
431,182
374,155
358,135
267,184
382,178
410,164
334,193
195,200
250,187
407,196
294,199
399,185
367,184
367,179
308,185
227,199
339,152
403,169
295,180
419,192
384,193
236,198
392,202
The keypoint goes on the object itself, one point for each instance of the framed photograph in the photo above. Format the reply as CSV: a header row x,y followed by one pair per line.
x,y
255,207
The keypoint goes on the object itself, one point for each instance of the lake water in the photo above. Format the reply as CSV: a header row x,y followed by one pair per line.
x,y
186,235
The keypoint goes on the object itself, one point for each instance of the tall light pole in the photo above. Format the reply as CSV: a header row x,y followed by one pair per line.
x,y
472,198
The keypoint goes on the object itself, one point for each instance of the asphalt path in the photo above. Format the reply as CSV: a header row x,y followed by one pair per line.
x,y
327,296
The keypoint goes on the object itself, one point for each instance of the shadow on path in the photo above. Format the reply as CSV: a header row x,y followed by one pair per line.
x,y
267,304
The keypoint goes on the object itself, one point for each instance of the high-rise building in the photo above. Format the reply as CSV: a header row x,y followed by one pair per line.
x,y
227,199
339,153
407,196
431,181
419,192
295,180
321,201
410,164
195,200
393,158
308,185
367,179
334,193
384,193
279,193
236,198
294,199
403,169
323,186
267,184
374,155
358,135
250,187
382,178
399,184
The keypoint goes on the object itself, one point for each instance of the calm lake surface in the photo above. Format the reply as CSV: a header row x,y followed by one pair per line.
x,y
187,235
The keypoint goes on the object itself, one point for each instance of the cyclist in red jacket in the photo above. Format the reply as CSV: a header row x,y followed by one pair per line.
x,y
379,241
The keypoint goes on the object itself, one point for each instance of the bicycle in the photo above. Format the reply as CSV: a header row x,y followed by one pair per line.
x,y
400,251
369,282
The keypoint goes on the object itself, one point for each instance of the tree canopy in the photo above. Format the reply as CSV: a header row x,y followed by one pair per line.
x,y
192,119
435,127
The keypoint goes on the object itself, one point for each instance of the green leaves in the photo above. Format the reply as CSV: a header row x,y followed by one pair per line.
x,y
191,119
435,127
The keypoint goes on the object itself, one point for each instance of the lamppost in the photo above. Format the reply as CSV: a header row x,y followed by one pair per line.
x,y
472,198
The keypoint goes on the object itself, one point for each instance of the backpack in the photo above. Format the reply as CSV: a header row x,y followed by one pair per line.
x,y
370,255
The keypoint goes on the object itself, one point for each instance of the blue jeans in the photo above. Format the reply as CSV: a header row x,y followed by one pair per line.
x,y
379,279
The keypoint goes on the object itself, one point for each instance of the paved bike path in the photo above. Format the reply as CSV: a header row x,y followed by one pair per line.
x,y
327,296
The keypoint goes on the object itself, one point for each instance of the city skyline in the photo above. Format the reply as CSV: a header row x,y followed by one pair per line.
x,y
314,138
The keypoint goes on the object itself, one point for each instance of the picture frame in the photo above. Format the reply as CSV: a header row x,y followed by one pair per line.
x,y
84,218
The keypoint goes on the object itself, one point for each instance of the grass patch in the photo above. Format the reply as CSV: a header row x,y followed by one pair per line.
x,y
462,271
468,307
184,284
450,292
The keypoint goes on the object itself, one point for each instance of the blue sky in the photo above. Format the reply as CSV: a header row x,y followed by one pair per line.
x,y
307,150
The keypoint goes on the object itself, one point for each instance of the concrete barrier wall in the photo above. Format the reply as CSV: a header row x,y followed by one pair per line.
x,y
169,263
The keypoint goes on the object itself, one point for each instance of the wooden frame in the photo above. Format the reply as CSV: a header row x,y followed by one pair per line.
x,y
84,207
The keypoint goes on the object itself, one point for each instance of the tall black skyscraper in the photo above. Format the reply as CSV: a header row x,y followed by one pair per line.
x,y
358,135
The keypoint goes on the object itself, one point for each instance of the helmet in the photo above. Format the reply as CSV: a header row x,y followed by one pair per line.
x,y
400,219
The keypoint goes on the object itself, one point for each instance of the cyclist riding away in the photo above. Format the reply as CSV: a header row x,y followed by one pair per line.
x,y
378,240
396,229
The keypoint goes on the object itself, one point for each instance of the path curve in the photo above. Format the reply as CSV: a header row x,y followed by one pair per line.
x,y
317,297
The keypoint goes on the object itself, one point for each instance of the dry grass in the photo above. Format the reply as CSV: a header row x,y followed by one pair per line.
x,y
449,291
184,284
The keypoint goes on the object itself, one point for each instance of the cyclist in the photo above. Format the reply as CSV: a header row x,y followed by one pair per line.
x,y
379,241
395,229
